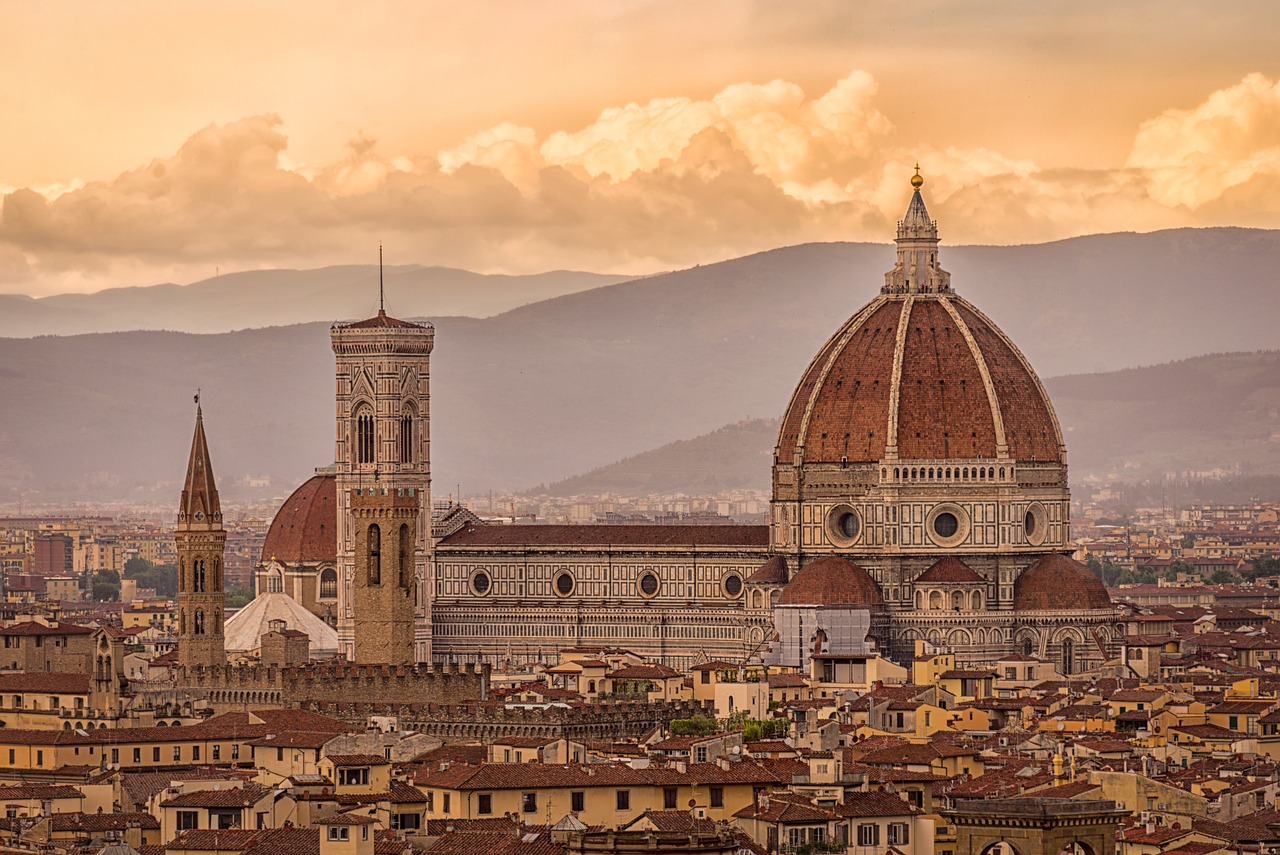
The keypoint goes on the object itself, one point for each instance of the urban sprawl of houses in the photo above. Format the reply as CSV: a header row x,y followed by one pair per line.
x,y
606,752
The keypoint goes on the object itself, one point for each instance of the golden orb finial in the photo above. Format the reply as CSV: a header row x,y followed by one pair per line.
x,y
916,180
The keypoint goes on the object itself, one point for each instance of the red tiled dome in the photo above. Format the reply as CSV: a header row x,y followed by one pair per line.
x,y
950,570
831,581
946,351
306,526
1057,583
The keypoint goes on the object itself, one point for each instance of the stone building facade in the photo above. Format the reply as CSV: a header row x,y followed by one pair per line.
x,y
919,456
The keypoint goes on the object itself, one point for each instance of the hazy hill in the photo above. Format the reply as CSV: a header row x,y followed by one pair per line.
x,y
265,298
735,457
1193,415
562,386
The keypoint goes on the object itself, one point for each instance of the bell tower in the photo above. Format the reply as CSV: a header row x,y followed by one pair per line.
x,y
200,540
382,463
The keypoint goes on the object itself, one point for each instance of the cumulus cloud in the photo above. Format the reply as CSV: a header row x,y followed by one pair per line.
x,y
667,183
1194,156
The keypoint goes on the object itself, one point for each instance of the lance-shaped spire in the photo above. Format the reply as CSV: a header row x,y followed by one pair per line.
x,y
200,505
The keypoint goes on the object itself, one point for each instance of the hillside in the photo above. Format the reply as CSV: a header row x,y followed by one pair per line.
x,y
569,384
264,298
1193,415
731,458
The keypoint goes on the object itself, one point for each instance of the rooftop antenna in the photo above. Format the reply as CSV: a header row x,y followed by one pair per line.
x,y
382,308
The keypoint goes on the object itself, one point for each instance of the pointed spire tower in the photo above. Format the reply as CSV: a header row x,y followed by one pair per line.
x,y
200,540
917,270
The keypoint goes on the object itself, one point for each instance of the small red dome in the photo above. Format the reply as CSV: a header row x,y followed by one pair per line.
x,y
831,581
306,526
950,571
1056,583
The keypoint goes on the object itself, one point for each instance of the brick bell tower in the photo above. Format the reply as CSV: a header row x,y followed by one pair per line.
x,y
200,540
383,468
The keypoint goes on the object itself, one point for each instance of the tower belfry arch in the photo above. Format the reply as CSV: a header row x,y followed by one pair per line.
x,y
1035,826
382,461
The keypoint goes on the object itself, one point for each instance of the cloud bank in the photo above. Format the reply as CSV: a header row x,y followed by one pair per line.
x,y
668,183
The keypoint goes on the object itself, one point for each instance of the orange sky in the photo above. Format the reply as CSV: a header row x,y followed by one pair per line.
x,y
150,141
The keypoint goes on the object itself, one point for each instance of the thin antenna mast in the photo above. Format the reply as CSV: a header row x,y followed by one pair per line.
x,y
382,307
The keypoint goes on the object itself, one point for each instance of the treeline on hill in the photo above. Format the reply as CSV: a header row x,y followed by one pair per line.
x,y
1113,574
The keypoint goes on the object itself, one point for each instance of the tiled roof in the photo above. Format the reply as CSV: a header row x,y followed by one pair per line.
x,y
383,320
503,776
1057,583
644,672
772,572
141,786
272,841
305,529
831,581
875,804
357,760
43,792
30,627
949,570
744,536
97,822
245,796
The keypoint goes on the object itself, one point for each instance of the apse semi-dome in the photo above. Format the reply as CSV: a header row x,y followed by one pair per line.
x,y
831,581
305,527
1056,583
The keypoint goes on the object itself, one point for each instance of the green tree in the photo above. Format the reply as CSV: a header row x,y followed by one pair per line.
x,y
1179,566
238,598
106,586
161,577
1222,577
698,725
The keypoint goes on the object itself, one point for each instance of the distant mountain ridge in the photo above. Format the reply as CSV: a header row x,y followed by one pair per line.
x,y
265,298
569,384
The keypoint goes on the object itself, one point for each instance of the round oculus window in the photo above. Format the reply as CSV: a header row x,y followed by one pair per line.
x,y
847,524
945,525
648,584
1029,522
480,582
733,584
564,584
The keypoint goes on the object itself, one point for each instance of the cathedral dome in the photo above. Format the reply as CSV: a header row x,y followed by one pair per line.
x,y
831,581
306,526
920,379
918,374
1056,583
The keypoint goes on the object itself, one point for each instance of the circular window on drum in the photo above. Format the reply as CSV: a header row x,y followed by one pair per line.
x,y
1036,524
481,584
844,526
565,584
648,585
947,525
732,585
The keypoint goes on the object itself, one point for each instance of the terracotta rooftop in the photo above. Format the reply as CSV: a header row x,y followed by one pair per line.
x,y
305,528
949,570
772,572
744,536
1057,583
841,407
831,581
